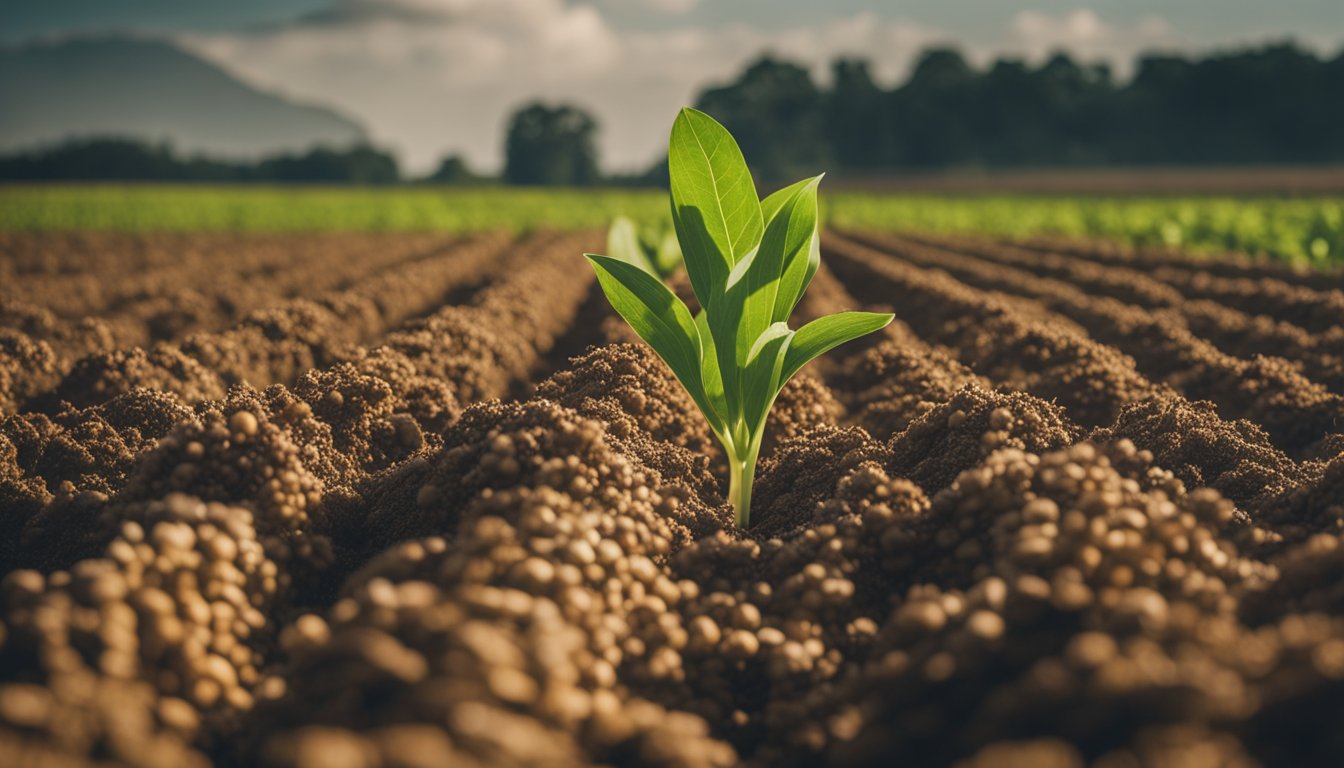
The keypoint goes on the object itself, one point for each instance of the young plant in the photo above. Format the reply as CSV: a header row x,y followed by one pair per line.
x,y
749,262
653,250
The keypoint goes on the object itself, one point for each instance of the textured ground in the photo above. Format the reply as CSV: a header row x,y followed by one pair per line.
x,y
416,500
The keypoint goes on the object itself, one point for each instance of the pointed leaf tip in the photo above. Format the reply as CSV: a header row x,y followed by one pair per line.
x,y
826,333
714,205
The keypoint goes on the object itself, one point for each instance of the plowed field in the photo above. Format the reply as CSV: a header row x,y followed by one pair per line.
x,y
405,500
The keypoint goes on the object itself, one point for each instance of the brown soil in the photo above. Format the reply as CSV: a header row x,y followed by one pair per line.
x,y
400,501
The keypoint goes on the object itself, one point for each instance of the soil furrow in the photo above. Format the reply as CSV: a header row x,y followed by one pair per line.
x,y
111,273
887,380
363,414
207,303
277,344
1268,391
1222,265
1317,311
165,307
1230,329
994,336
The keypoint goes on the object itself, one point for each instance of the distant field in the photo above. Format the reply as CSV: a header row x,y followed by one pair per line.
x,y
1299,229
1261,180
207,208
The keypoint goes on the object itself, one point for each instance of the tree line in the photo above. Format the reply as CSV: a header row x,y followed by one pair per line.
x,y
124,159
1273,104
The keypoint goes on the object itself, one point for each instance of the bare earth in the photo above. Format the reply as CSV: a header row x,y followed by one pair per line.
x,y
418,500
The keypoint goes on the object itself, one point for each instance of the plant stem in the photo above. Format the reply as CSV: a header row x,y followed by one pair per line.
x,y
741,475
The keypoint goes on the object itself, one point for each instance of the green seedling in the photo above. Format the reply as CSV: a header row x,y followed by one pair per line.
x,y
749,262
654,250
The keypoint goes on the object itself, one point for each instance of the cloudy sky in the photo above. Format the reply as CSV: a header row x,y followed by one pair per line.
x,y
430,77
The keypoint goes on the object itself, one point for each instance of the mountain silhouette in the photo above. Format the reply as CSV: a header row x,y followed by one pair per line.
x,y
150,90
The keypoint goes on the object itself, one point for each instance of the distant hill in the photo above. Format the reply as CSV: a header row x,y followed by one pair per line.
x,y
150,90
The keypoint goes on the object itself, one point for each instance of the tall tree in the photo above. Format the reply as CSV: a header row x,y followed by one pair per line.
x,y
935,108
551,146
859,125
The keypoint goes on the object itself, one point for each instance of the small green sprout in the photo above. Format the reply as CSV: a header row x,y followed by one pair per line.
x,y
654,250
749,262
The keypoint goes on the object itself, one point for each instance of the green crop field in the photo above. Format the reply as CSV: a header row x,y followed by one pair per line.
x,y
217,208
1300,230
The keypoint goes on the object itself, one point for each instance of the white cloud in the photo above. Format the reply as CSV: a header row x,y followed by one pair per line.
x,y
429,77
1087,36
669,7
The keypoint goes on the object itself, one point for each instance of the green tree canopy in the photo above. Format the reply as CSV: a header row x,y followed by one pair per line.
x,y
551,146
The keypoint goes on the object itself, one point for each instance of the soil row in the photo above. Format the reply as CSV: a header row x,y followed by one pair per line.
x,y
1010,346
1224,265
1261,330
216,271
376,405
199,297
274,344
1269,391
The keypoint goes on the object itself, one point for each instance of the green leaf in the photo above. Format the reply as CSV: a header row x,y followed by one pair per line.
x,y
761,380
722,321
825,333
725,323
802,250
623,243
777,274
714,205
710,377
775,200
658,316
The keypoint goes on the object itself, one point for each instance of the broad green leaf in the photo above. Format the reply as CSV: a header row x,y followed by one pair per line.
x,y
775,200
714,204
623,243
761,378
801,265
709,369
825,333
730,345
773,280
658,316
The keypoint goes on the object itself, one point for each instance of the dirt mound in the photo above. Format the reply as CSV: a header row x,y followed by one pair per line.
x,y
26,364
163,368
240,457
134,655
638,388
895,384
1314,505
805,471
958,434
504,638
1234,457
379,408
497,446
1039,616
773,621
57,468
513,626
